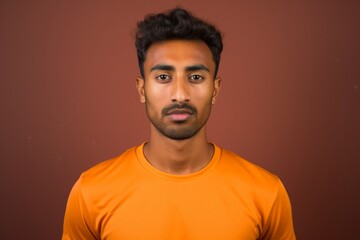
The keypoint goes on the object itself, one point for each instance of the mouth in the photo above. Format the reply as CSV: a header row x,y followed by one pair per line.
x,y
179,115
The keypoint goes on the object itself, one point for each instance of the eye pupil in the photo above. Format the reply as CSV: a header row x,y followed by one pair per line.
x,y
163,77
196,77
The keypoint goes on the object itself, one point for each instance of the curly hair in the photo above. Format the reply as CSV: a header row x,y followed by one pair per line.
x,y
176,24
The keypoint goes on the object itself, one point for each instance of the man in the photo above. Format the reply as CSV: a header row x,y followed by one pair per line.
x,y
178,185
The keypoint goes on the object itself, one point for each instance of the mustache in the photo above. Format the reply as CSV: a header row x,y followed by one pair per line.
x,y
178,106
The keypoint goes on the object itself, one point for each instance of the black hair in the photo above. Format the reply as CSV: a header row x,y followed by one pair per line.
x,y
180,24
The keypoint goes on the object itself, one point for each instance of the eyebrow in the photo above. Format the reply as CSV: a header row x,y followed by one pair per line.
x,y
162,67
165,67
197,67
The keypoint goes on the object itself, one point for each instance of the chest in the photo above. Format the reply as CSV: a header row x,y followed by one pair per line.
x,y
180,211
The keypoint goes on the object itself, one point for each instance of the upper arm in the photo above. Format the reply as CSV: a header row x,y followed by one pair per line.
x,y
279,222
77,218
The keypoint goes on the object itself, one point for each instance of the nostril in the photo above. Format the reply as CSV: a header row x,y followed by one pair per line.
x,y
180,90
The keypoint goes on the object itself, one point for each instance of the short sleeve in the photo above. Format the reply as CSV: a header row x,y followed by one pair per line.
x,y
76,221
279,223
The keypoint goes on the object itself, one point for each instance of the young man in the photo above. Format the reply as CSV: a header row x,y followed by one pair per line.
x,y
178,185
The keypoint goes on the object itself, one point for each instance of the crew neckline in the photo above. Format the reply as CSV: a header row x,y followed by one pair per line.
x,y
174,177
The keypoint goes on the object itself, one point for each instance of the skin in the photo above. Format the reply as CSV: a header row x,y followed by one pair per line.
x,y
178,73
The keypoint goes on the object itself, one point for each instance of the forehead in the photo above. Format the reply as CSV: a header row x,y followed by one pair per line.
x,y
179,53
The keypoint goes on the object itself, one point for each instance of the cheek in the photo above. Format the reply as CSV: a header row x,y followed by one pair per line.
x,y
155,99
202,96
154,92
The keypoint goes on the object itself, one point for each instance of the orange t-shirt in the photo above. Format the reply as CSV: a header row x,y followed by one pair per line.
x,y
127,198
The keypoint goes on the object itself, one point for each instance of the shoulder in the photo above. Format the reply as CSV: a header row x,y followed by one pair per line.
x,y
263,189
108,171
250,175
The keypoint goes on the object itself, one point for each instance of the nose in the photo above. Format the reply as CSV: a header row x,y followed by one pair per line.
x,y
180,91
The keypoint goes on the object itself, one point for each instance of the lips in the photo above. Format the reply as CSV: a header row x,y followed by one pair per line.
x,y
179,114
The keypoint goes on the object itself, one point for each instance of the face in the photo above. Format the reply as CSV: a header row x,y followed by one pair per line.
x,y
179,87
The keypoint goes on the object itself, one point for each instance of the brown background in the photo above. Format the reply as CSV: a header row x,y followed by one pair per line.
x,y
290,102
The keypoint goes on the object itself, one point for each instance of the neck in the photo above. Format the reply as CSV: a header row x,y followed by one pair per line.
x,y
178,156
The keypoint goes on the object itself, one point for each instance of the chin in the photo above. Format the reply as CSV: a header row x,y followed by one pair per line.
x,y
180,134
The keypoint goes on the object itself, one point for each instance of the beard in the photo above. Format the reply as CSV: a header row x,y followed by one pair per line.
x,y
178,130
176,133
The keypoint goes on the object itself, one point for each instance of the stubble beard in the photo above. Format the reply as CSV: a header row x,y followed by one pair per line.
x,y
181,130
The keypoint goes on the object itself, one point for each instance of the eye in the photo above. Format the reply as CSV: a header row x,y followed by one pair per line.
x,y
196,78
163,77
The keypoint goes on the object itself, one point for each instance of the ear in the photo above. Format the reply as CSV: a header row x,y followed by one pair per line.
x,y
140,85
217,82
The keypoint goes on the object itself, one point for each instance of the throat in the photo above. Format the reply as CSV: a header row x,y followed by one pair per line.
x,y
179,160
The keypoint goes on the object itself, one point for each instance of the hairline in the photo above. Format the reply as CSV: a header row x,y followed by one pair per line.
x,y
186,40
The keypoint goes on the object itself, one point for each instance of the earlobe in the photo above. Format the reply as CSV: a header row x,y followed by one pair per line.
x,y
140,85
